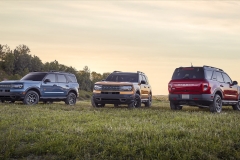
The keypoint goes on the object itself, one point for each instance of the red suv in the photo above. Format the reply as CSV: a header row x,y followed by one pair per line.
x,y
203,87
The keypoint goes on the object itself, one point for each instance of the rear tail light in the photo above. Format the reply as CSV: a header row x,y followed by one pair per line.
x,y
205,87
169,87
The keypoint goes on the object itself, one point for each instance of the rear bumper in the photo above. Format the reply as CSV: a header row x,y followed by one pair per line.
x,y
113,98
194,99
9,96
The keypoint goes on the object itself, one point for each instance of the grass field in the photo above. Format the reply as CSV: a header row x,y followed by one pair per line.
x,y
58,131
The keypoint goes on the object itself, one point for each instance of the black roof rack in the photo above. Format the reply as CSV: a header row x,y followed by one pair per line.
x,y
116,71
60,71
213,67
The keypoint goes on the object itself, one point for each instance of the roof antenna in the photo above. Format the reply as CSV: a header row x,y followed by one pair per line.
x,y
191,64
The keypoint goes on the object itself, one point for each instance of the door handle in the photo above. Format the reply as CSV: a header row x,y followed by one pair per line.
x,y
221,85
67,85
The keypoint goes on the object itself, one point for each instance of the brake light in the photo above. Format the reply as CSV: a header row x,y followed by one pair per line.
x,y
205,86
169,87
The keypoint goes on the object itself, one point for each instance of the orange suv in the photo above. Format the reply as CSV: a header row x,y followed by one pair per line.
x,y
123,88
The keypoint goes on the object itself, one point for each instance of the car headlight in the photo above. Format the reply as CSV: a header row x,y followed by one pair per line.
x,y
97,87
17,86
125,88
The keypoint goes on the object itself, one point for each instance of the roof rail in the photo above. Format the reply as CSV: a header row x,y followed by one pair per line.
x,y
116,71
139,72
213,67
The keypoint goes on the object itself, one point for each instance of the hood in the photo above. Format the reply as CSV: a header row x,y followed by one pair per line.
x,y
114,83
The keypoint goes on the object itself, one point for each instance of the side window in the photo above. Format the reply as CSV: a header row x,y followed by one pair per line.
x,y
214,77
208,74
227,79
72,78
144,78
51,77
219,77
140,78
61,78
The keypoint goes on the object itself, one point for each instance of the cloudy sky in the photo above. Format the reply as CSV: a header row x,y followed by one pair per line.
x,y
150,36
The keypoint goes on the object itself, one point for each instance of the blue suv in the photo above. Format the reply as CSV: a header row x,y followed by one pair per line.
x,y
41,86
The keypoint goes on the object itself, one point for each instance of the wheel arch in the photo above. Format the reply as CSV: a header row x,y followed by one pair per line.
x,y
34,89
74,91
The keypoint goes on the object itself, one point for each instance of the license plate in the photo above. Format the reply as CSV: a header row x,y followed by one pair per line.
x,y
185,96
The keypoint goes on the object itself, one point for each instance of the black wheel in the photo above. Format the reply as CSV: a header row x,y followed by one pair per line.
x,y
236,107
149,102
12,101
136,103
71,99
31,98
96,105
216,106
2,101
175,106
116,105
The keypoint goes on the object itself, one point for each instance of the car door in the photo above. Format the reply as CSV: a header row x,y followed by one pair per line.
x,y
144,88
49,86
233,89
224,87
63,85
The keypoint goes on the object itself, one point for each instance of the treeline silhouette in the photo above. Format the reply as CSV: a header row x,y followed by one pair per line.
x,y
14,64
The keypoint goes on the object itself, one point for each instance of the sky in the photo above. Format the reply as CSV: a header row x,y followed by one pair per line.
x,y
154,37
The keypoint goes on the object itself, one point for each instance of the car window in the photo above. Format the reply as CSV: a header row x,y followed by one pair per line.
x,y
219,77
123,77
227,79
72,78
188,73
34,76
208,74
144,78
61,78
51,77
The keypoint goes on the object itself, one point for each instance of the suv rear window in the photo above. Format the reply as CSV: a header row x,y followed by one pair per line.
x,y
34,76
188,73
130,77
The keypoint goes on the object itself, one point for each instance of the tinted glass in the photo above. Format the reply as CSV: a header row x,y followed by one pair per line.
x,y
51,77
61,78
188,73
144,78
34,76
72,78
219,77
130,77
227,79
208,74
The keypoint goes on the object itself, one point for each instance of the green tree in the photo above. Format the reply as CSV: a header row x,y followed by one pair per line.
x,y
8,63
105,75
83,78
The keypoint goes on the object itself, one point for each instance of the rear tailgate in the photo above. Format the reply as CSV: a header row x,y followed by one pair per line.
x,y
186,86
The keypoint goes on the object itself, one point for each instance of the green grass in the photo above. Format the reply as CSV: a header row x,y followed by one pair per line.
x,y
58,131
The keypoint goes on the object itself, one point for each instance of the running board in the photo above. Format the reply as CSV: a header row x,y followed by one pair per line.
x,y
224,102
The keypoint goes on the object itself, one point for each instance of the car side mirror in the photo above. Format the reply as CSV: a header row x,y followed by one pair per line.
x,y
234,83
143,82
47,80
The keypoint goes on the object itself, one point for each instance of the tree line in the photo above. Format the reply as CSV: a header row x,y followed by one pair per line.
x,y
14,64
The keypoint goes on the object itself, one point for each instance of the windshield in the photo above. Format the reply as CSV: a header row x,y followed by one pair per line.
x,y
188,73
34,76
130,77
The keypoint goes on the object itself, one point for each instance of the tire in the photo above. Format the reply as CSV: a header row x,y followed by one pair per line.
x,y
116,105
71,99
12,101
149,102
174,106
216,106
31,98
236,107
137,102
96,105
2,101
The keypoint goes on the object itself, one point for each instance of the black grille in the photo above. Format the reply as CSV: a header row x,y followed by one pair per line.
x,y
110,88
5,85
